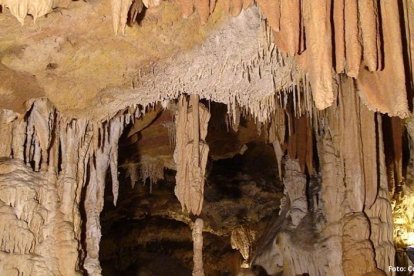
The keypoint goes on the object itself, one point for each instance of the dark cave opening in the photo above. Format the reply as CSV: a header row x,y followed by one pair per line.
x,y
147,233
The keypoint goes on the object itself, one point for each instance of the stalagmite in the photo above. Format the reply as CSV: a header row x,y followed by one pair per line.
x,y
198,247
191,154
358,257
295,190
280,249
242,239
380,213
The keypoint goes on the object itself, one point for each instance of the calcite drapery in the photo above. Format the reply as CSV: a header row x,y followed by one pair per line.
x,y
191,153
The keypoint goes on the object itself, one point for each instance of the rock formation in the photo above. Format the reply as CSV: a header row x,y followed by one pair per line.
x,y
327,83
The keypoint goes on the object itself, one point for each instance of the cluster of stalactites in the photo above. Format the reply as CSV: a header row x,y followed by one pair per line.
x,y
29,138
204,8
356,38
78,154
361,39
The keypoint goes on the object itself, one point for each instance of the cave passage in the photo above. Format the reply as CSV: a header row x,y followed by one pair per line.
x,y
147,233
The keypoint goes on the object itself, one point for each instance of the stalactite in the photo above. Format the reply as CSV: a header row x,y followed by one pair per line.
x,y
369,25
20,8
385,91
203,10
170,126
42,121
116,128
132,173
191,154
151,3
187,7
236,7
116,14
233,116
120,9
151,170
226,6
409,30
352,45
247,4
212,6
136,8
288,38
277,132
104,156
6,132
339,31
19,137
319,53
198,269
272,11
